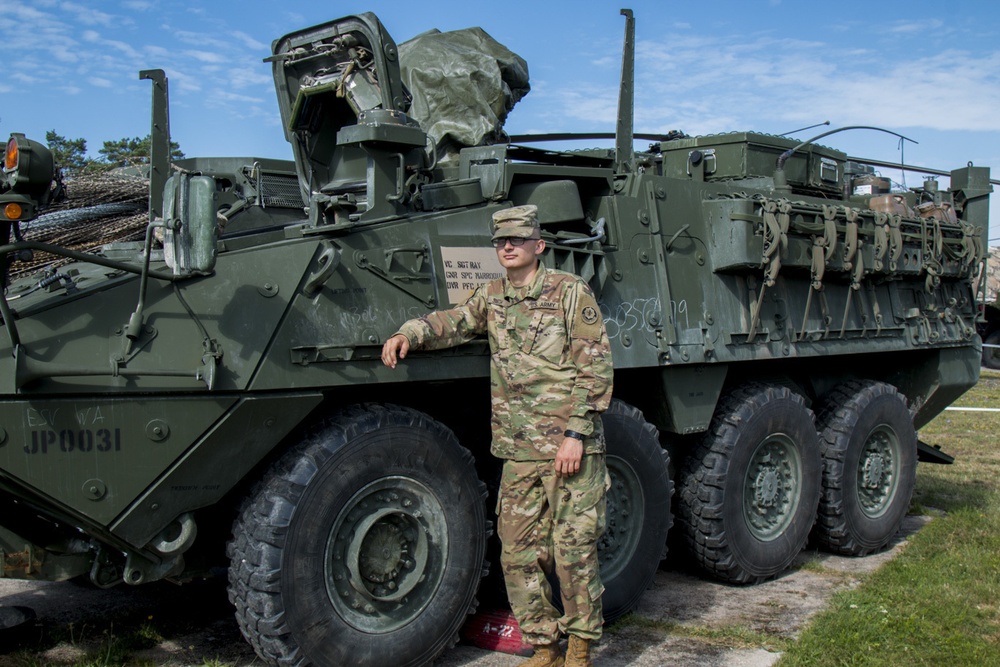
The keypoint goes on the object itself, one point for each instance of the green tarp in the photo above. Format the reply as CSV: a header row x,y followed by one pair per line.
x,y
463,85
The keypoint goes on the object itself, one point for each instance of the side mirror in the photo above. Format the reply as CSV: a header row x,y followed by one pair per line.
x,y
189,236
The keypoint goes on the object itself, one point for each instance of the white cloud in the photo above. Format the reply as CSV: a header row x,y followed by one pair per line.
x,y
591,104
23,13
928,26
87,15
64,52
243,77
74,41
703,84
206,56
126,49
181,81
295,18
223,96
24,78
788,80
200,39
250,42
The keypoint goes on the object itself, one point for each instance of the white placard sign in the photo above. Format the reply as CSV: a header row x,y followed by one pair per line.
x,y
465,269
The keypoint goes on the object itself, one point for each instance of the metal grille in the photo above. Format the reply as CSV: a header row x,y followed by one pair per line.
x,y
280,190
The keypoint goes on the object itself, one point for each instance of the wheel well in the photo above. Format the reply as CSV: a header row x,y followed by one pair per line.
x,y
461,405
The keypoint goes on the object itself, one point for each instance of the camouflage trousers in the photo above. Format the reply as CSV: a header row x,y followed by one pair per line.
x,y
547,524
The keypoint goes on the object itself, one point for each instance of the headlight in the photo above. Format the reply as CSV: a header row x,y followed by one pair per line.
x,y
28,167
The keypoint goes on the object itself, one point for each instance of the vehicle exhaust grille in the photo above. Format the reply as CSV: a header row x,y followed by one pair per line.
x,y
280,190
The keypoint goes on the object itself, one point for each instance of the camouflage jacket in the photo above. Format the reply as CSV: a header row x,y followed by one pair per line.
x,y
550,364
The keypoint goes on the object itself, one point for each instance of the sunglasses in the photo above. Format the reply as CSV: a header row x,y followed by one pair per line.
x,y
513,240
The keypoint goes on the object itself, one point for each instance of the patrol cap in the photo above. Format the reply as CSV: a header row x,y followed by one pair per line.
x,y
517,221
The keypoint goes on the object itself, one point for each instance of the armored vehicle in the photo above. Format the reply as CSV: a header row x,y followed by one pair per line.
x,y
780,329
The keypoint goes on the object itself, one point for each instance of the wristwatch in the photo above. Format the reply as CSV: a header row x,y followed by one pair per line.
x,y
573,434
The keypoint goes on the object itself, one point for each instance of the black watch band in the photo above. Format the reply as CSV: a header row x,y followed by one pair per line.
x,y
573,434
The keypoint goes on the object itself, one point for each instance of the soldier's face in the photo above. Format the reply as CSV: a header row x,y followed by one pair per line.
x,y
514,257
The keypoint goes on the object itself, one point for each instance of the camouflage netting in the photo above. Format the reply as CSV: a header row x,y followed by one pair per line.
x,y
98,209
464,83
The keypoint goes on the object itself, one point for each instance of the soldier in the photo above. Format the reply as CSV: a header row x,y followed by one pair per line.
x,y
551,378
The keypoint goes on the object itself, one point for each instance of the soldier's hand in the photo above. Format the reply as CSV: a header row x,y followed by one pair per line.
x,y
569,456
395,349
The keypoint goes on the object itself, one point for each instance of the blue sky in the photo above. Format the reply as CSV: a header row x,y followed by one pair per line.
x,y
928,70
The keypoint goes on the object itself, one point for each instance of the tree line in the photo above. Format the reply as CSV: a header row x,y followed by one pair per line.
x,y
71,154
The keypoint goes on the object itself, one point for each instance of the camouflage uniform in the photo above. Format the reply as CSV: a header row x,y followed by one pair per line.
x,y
546,522
550,372
550,367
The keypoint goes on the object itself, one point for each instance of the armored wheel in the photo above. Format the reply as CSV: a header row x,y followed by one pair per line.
x,y
364,545
869,449
750,489
638,502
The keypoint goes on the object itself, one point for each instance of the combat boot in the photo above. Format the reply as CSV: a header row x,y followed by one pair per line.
x,y
546,655
578,653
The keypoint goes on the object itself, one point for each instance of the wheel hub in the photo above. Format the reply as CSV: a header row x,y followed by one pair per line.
x,y
383,551
874,471
878,471
771,487
385,555
767,487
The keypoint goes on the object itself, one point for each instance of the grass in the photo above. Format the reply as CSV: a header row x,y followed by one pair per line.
x,y
86,647
938,602
130,638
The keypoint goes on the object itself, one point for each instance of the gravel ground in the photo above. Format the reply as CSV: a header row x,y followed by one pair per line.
x,y
199,627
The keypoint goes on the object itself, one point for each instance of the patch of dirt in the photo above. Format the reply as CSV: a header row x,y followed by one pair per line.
x,y
198,626
780,608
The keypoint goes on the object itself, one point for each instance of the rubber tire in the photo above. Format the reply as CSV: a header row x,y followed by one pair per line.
x,y
634,449
278,554
711,519
847,416
991,356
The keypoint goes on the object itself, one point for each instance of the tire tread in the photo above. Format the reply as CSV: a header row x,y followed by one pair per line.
x,y
837,414
700,513
256,549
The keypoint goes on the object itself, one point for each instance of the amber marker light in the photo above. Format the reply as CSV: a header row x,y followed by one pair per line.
x,y
11,155
13,211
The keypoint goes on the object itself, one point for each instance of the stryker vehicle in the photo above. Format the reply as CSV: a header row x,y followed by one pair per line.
x,y
780,329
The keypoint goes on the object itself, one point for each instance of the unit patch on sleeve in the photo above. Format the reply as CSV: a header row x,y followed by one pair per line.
x,y
587,323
